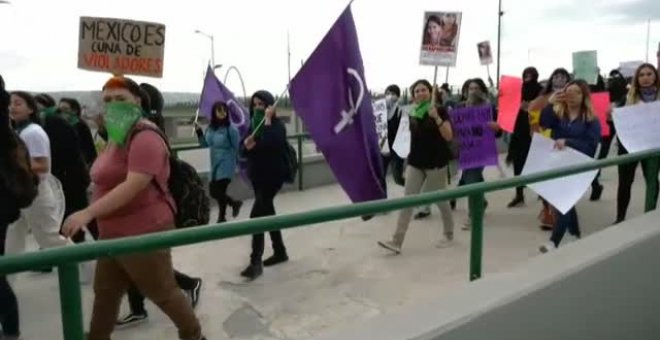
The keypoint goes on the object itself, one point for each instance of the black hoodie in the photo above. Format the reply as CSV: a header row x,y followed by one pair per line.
x,y
267,164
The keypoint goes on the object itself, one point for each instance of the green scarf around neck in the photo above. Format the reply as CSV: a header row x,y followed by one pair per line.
x,y
421,110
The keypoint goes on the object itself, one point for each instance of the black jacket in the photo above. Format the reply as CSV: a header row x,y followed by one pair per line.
x,y
393,127
68,164
267,164
86,143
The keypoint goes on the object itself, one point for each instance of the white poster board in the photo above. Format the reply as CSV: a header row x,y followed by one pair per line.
x,y
120,46
485,53
401,143
563,193
638,126
440,36
380,115
628,68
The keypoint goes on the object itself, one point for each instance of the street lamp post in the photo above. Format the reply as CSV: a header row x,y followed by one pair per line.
x,y
499,40
212,44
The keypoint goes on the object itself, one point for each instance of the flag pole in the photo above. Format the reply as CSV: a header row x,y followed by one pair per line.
x,y
648,39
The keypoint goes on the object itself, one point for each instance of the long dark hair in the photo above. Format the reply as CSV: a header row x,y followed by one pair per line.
x,y
31,103
215,121
634,93
548,87
74,104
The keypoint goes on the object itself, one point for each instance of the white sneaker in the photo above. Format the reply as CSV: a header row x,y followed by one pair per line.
x,y
445,243
391,246
548,247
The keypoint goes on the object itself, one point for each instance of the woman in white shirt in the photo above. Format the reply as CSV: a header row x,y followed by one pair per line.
x,y
45,214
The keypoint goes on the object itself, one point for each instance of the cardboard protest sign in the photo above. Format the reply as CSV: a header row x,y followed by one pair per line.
x,y
585,66
477,141
440,35
380,115
601,104
121,46
510,96
485,53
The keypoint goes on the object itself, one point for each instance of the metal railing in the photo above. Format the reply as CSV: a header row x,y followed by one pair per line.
x,y
68,258
300,138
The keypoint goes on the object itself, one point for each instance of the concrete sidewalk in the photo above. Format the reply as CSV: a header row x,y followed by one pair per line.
x,y
337,276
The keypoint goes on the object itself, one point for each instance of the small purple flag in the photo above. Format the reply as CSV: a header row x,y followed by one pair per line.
x,y
215,91
477,146
331,96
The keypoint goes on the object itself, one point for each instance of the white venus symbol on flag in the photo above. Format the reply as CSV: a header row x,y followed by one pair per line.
x,y
347,116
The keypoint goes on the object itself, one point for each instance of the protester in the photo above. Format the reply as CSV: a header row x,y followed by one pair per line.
x,y
394,112
645,88
71,111
573,124
44,215
131,198
429,155
596,187
266,152
18,188
223,141
521,138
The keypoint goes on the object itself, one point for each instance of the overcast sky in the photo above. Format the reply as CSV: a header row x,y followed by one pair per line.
x,y
39,39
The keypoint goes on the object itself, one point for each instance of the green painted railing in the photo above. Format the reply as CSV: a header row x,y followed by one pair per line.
x,y
67,258
300,138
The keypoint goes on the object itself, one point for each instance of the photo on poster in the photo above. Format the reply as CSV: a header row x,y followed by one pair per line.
x,y
485,53
440,36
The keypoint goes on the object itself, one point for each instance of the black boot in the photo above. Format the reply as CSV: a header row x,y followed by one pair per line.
x,y
277,258
253,271
236,208
516,202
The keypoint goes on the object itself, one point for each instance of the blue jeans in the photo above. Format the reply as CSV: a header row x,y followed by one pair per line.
x,y
472,176
569,222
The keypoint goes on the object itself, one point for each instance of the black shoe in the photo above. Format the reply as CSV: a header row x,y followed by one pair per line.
x,y
366,218
194,293
516,202
452,204
596,192
131,320
236,208
422,215
221,220
275,259
253,271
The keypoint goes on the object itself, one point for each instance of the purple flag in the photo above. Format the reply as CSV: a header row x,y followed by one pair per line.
x,y
215,91
477,146
331,96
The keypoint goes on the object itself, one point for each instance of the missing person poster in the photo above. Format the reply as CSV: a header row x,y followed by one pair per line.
x,y
121,46
440,35
485,53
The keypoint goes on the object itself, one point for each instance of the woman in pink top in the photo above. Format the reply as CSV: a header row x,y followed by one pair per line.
x,y
131,198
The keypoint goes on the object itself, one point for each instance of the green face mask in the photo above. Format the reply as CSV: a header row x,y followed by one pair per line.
x,y
119,119
255,122
49,112
70,117
421,110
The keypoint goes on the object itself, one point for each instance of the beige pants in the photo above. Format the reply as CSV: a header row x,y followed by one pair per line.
x,y
153,275
432,180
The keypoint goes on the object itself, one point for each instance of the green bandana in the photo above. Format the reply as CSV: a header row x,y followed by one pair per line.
x,y
119,119
49,112
421,110
256,124
71,118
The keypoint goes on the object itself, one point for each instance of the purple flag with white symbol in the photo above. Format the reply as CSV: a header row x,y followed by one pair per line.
x,y
215,91
331,96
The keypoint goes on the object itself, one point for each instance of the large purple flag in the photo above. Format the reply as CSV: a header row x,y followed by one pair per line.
x,y
215,91
331,96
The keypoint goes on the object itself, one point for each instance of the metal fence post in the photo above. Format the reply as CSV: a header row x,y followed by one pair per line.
x,y
653,165
476,205
70,302
300,162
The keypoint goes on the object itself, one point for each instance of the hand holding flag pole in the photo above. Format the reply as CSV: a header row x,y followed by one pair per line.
x,y
277,101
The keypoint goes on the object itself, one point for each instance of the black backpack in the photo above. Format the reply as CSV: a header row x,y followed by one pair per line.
x,y
193,206
292,163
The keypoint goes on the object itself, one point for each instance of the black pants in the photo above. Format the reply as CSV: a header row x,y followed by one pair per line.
x,y
9,317
626,179
563,223
76,200
518,165
218,190
136,299
264,196
605,146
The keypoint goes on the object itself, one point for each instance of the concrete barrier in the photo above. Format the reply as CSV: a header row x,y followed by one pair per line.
x,y
602,287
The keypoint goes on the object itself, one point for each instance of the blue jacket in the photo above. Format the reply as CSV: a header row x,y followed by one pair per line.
x,y
579,134
223,143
